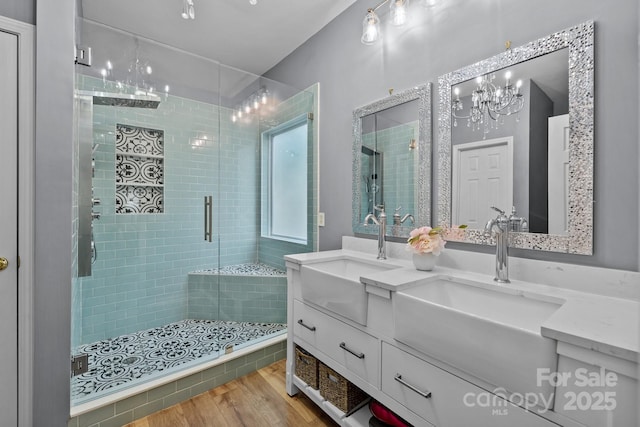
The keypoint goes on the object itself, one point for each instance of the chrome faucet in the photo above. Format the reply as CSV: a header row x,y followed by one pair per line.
x,y
398,220
500,225
517,223
381,222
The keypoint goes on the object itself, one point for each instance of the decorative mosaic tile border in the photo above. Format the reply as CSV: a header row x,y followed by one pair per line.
x,y
249,269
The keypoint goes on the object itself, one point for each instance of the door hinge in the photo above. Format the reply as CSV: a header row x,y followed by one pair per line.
x,y
79,364
309,116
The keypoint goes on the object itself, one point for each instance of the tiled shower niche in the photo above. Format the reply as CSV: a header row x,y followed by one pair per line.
x,y
139,170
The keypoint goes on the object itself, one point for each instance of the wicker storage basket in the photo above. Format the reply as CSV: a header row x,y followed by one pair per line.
x,y
343,394
307,367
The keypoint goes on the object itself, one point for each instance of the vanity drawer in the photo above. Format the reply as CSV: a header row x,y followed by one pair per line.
x,y
355,350
444,399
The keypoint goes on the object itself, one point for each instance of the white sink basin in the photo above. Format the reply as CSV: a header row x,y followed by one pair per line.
x,y
489,331
335,284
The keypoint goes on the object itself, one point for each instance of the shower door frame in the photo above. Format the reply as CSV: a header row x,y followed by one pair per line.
x,y
201,137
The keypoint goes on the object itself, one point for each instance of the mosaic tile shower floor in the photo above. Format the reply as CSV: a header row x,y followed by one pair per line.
x,y
116,363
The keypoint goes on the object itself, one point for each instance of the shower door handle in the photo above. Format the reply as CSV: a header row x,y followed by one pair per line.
x,y
208,218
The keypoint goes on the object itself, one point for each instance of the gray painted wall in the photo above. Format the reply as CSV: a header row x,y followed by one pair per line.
x,y
457,33
351,75
51,322
54,150
20,10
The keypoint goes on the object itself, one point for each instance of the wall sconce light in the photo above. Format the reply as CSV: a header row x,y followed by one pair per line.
x,y
188,10
399,12
371,22
251,104
370,27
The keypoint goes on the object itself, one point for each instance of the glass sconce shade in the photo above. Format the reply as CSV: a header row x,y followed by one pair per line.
x,y
398,12
188,10
370,28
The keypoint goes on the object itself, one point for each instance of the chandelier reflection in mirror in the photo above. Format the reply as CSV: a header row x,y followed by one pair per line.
x,y
489,103
136,80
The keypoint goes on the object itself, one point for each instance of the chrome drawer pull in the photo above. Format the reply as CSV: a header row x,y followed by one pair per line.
x,y
356,354
311,328
425,394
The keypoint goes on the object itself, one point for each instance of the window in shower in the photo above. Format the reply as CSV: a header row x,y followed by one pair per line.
x,y
284,181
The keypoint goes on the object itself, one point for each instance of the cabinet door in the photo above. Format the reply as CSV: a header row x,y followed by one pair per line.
x,y
444,399
353,349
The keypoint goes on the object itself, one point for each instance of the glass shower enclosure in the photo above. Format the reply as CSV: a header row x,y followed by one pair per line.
x,y
181,218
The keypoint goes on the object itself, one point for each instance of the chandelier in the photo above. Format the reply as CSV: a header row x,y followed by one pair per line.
x,y
489,103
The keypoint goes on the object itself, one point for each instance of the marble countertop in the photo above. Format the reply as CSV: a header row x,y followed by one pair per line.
x,y
600,323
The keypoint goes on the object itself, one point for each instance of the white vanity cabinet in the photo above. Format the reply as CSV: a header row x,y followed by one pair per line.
x,y
369,358
351,349
443,398
354,350
420,392
433,391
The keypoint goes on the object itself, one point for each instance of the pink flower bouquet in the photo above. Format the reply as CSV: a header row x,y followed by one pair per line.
x,y
425,240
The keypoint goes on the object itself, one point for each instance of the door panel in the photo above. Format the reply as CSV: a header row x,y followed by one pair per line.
x,y
9,227
482,177
558,174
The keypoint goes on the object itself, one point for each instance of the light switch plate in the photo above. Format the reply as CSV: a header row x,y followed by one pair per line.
x,y
320,219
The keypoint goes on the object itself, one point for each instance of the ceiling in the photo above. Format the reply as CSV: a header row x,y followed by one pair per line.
x,y
233,32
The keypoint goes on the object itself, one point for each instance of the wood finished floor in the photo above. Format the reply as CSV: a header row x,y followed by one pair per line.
x,y
255,400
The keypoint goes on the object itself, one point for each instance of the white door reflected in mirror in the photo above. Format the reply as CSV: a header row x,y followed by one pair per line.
x,y
482,177
559,174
